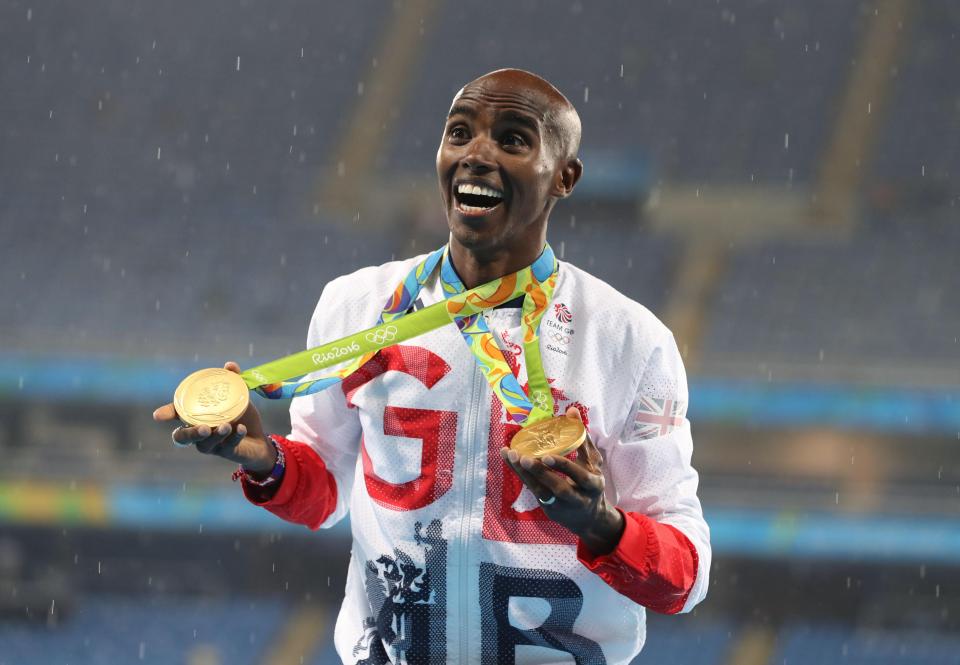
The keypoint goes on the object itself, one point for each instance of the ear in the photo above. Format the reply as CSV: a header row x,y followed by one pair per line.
x,y
567,178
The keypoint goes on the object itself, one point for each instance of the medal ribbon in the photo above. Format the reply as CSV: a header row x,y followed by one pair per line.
x,y
465,307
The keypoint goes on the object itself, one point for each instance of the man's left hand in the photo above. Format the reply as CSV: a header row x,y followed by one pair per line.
x,y
577,489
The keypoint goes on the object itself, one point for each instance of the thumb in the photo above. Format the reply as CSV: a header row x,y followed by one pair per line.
x,y
232,367
574,412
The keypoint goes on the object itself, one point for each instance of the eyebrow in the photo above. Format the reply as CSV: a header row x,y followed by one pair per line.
x,y
462,110
518,117
521,118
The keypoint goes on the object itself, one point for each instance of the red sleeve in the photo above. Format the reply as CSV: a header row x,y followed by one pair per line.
x,y
307,493
654,564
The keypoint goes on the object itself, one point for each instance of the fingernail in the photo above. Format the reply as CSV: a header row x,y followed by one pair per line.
x,y
513,456
548,460
203,430
526,462
241,430
223,429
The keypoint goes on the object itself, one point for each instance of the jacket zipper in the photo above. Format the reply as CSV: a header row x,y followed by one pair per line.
x,y
473,415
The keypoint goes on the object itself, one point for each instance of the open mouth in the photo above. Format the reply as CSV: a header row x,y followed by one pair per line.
x,y
475,200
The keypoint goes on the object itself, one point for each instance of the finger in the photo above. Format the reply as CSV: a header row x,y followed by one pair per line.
x,y
574,412
187,436
233,440
232,366
513,461
217,437
583,476
555,483
589,456
165,412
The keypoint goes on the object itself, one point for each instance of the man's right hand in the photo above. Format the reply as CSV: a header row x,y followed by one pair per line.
x,y
244,443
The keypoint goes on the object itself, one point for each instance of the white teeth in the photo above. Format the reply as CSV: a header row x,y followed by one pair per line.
x,y
478,190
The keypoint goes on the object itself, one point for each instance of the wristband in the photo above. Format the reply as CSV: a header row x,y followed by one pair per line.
x,y
275,474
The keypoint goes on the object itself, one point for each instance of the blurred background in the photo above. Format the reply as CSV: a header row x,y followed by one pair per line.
x,y
776,180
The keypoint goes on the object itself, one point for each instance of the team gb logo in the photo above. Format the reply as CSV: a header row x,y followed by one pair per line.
x,y
562,312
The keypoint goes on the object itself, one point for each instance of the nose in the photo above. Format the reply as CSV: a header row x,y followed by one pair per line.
x,y
479,158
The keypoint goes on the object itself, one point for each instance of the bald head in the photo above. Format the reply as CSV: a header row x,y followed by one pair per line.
x,y
561,121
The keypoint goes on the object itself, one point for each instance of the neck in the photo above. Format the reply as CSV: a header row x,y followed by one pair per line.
x,y
476,268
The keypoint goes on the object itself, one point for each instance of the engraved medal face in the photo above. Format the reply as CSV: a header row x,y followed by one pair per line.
x,y
557,436
211,397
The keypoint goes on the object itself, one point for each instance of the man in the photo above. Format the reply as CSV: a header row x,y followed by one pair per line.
x,y
463,550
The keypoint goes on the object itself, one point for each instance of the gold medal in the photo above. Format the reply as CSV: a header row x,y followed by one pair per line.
x,y
211,397
557,436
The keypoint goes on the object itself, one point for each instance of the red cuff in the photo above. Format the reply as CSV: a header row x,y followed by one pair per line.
x,y
654,564
307,493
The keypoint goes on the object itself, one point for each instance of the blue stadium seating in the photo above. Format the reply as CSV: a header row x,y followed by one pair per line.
x,y
639,264
889,293
830,644
919,142
107,629
686,640
703,94
147,113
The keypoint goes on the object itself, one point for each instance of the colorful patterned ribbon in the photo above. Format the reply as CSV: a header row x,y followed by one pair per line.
x,y
534,283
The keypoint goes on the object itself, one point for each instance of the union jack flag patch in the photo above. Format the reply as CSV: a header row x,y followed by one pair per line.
x,y
657,417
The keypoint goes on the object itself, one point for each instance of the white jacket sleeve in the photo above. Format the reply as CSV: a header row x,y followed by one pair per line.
x,y
650,466
323,420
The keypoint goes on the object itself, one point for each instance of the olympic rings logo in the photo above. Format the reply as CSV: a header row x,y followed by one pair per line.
x,y
560,339
382,336
540,399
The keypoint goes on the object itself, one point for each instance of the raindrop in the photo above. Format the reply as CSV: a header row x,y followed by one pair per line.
x,y
586,94
158,152
786,141
29,14
238,63
621,70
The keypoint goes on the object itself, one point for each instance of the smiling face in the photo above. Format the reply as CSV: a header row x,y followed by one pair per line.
x,y
504,160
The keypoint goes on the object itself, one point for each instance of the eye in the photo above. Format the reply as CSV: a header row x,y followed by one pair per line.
x,y
514,140
458,134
